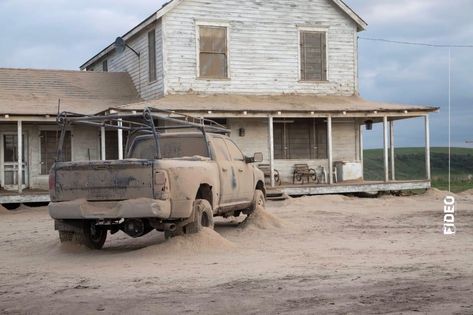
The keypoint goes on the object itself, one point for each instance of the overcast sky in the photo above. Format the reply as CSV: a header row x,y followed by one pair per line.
x,y
62,34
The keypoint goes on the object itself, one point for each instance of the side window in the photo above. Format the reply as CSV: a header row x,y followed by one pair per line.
x,y
235,153
220,150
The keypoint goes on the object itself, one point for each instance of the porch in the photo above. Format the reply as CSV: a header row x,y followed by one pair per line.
x,y
348,187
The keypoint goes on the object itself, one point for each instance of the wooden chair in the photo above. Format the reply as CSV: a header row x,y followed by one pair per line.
x,y
301,172
321,175
266,169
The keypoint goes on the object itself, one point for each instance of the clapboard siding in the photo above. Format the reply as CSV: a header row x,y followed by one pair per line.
x,y
128,62
264,52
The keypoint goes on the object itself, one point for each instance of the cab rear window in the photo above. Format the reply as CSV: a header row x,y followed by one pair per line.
x,y
172,147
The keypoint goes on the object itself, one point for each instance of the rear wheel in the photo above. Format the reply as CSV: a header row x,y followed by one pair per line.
x,y
203,217
89,234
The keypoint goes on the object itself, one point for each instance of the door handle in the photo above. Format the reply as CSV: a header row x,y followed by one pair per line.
x,y
240,170
224,169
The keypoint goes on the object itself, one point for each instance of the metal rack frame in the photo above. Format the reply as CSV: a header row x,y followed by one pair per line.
x,y
139,123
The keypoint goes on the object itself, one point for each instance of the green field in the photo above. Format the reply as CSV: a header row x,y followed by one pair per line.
x,y
410,164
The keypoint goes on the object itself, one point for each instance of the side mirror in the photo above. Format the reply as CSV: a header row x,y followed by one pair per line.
x,y
258,157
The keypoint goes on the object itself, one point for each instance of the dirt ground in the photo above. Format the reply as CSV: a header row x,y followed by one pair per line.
x,y
330,254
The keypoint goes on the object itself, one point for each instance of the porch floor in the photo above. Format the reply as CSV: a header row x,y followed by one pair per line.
x,y
349,187
27,196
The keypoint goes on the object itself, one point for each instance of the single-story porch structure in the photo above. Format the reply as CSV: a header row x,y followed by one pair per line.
x,y
322,132
318,131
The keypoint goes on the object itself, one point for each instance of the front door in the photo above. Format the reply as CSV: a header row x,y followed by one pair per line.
x,y
10,161
228,183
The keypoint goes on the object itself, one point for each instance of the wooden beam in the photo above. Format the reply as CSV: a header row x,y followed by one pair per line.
x,y
102,144
120,140
427,148
386,153
391,142
330,149
20,156
362,152
271,148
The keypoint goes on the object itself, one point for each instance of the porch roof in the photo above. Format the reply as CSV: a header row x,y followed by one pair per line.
x,y
264,104
31,92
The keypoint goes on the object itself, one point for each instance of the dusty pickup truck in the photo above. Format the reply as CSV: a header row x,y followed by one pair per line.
x,y
173,182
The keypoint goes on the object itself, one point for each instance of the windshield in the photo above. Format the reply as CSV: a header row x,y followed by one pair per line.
x,y
172,147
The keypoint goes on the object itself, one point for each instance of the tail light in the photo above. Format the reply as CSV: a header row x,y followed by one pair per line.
x,y
161,185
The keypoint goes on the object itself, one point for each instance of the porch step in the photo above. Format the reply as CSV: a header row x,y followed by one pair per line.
x,y
276,195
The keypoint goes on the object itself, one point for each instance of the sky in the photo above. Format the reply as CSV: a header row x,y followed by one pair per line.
x,y
62,34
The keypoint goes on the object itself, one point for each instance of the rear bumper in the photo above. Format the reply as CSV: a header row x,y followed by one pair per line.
x,y
134,208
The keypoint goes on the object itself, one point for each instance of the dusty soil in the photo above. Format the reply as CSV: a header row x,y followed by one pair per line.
x,y
329,254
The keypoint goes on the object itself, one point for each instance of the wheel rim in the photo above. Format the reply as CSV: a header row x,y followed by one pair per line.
x,y
95,234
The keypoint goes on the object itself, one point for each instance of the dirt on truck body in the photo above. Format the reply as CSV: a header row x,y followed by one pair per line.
x,y
174,182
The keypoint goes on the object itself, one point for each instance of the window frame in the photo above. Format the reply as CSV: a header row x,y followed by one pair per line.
x,y
217,24
318,150
152,72
300,31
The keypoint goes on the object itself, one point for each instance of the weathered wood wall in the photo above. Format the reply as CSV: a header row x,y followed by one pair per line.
x,y
138,67
263,49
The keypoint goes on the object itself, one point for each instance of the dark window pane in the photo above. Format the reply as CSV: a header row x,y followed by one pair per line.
x,y
105,66
300,139
152,55
213,65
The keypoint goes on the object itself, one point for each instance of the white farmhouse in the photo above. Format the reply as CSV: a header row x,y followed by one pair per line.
x,y
282,75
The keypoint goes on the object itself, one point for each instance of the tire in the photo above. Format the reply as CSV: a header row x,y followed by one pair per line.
x,y
259,200
88,234
66,236
203,217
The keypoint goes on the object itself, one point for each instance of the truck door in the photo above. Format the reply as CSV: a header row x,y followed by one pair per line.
x,y
243,171
228,182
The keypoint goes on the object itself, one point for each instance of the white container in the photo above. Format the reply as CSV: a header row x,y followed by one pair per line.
x,y
349,171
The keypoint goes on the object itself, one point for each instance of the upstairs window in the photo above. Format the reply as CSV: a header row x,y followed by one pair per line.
x,y
152,56
313,56
213,52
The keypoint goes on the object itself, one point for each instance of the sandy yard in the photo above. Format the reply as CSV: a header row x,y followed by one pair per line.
x,y
330,254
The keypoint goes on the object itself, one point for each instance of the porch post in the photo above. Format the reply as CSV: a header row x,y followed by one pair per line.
x,y
120,140
391,142
427,148
102,144
271,149
330,149
386,153
362,153
20,156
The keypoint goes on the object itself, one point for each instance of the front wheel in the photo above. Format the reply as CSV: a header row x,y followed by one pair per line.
x,y
259,201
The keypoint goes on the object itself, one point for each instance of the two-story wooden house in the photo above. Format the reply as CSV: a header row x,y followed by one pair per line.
x,y
282,75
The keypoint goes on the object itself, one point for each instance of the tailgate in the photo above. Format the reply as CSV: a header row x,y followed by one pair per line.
x,y
102,180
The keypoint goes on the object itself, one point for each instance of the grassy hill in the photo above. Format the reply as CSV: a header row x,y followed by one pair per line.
x,y
410,164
